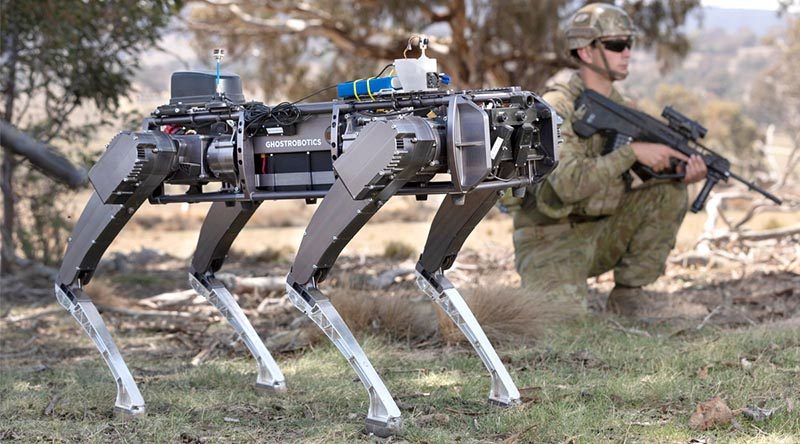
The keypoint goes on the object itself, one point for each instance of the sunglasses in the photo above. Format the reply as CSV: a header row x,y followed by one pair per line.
x,y
617,45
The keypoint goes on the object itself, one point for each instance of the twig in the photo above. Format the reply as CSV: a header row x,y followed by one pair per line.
x,y
404,370
760,207
632,331
463,412
515,436
205,352
51,405
708,317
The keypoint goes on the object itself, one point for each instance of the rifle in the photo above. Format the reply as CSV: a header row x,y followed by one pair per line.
x,y
596,112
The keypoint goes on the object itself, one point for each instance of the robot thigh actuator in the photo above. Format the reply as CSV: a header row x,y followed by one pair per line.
x,y
355,154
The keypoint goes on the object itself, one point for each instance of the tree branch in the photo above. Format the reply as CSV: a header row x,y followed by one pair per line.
x,y
40,155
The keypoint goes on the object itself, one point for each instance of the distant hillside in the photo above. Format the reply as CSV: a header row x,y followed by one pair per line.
x,y
728,55
733,20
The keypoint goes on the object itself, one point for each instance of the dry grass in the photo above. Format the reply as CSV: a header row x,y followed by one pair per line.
x,y
395,316
507,314
357,308
407,319
105,293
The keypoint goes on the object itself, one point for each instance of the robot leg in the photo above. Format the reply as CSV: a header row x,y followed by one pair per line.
x,y
335,222
383,158
221,226
451,226
133,166
383,416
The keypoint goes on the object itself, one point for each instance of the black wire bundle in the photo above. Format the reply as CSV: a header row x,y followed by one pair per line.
x,y
256,115
285,113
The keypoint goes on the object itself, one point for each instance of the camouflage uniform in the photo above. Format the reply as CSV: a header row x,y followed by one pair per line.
x,y
581,221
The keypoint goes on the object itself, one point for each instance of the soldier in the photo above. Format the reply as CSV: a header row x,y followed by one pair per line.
x,y
587,218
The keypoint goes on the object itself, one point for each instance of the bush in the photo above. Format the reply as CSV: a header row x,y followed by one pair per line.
x,y
398,250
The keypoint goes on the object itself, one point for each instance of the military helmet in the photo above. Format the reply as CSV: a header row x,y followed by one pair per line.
x,y
597,20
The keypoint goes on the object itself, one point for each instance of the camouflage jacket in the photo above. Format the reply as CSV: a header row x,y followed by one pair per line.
x,y
585,183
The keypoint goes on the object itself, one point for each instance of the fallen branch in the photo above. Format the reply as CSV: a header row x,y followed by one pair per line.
x,y
38,315
260,284
777,233
761,207
388,278
169,299
34,267
273,304
145,313
205,352
252,284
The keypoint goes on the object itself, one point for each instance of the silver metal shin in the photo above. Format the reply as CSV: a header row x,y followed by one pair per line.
x,y
383,418
269,374
129,399
503,391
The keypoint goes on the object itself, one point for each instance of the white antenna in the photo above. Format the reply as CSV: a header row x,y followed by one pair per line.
x,y
218,54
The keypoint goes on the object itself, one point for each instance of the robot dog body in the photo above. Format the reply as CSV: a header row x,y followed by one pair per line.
x,y
353,153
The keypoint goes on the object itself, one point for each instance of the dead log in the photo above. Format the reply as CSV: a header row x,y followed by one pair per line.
x,y
259,285
777,233
171,299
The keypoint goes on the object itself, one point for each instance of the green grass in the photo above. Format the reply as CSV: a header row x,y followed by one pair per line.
x,y
585,382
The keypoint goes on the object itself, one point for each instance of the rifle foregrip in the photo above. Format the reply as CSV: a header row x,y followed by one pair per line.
x,y
700,200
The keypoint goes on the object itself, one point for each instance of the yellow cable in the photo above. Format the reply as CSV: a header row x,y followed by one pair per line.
x,y
355,91
369,92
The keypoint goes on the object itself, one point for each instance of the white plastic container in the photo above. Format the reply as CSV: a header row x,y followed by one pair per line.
x,y
413,73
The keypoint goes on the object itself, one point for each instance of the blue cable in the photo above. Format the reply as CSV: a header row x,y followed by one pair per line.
x,y
217,84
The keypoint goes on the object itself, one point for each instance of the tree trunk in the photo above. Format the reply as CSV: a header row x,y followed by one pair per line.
x,y
7,252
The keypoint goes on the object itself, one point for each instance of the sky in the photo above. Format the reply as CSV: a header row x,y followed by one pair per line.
x,y
768,5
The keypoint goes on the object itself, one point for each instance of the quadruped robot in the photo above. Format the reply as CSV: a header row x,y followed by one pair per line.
x,y
382,137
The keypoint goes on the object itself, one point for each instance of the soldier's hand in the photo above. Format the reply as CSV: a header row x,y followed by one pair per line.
x,y
695,169
655,155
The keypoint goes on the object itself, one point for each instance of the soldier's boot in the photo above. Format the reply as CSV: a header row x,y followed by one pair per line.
x,y
634,302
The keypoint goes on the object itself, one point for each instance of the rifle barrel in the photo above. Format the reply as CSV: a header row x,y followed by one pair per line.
x,y
757,188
